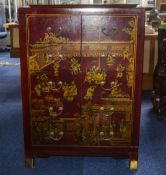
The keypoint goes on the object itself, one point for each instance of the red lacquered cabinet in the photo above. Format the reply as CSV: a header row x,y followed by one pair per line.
x,y
81,72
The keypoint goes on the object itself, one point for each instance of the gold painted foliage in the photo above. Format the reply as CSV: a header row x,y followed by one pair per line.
x,y
131,29
120,70
123,128
130,67
50,37
89,93
56,69
130,73
70,91
115,89
126,53
43,85
33,64
130,79
95,76
75,66
110,60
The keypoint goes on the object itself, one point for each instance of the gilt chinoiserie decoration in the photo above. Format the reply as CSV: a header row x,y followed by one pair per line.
x,y
81,80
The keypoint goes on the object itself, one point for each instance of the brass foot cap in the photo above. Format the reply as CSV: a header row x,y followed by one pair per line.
x,y
29,163
133,165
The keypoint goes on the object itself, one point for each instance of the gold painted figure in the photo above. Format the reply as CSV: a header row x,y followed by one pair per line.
x,y
120,70
95,76
75,66
70,91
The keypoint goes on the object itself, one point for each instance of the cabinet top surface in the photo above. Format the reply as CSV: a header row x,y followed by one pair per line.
x,y
85,6
81,7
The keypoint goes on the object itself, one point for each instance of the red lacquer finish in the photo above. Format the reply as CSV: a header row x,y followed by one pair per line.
x,y
81,71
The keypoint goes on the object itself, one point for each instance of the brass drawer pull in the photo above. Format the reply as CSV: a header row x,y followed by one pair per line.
x,y
50,55
112,85
113,56
58,33
57,136
49,29
55,114
101,108
105,136
101,133
103,55
112,109
50,83
111,133
102,83
157,99
106,89
60,56
60,83
112,31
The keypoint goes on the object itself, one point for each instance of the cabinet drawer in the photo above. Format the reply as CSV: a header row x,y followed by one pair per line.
x,y
106,28
53,28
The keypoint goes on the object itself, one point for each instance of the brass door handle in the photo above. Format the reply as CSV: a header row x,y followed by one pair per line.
x,y
56,136
55,114
60,83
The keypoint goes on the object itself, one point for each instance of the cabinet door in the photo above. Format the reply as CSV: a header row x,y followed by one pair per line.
x,y
108,64
54,77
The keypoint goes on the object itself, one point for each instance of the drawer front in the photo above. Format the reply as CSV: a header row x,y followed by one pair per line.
x,y
53,28
105,28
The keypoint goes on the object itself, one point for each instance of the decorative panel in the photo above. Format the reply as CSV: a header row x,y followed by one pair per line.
x,y
108,62
54,77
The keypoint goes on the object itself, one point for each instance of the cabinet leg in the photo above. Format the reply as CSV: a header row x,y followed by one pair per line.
x,y
29,163
133,164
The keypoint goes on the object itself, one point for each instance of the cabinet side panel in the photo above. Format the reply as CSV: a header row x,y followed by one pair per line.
x,y
24,84
138,77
